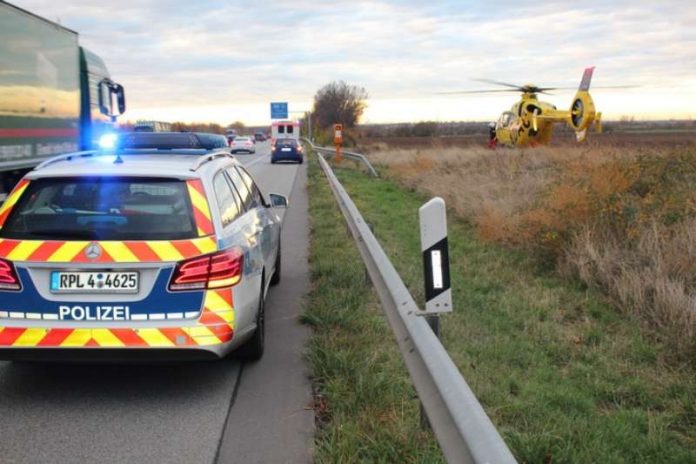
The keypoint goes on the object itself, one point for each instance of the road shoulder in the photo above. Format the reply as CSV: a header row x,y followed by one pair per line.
x,y
271,420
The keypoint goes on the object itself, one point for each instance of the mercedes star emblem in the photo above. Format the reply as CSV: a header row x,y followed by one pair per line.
x,y
93,251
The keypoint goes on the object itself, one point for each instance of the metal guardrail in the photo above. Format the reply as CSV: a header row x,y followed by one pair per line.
x,y
348,154
461,426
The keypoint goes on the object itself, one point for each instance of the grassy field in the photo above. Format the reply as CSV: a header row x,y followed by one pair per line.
x,y
563,375
621,218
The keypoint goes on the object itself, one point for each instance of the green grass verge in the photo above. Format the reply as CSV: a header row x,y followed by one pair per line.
x,y
367,410
564,377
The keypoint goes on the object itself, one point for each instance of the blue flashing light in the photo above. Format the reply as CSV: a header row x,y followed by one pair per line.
x,y
107,141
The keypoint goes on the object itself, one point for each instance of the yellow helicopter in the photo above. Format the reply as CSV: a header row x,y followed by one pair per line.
x,y
530,121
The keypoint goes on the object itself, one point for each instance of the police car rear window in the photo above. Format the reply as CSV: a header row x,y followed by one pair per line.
x,y
112,208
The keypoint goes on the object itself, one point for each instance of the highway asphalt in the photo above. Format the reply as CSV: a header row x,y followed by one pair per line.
x,y
204,412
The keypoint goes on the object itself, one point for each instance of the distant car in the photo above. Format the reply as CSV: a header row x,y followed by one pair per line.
x,y
242,144
138,253
287,150
260,137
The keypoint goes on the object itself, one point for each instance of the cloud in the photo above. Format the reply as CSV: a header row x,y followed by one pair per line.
x,y
207,54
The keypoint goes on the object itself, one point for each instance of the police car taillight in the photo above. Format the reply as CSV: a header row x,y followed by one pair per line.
x,y
8,276
223,269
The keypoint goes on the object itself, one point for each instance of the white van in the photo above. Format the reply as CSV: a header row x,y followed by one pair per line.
x,y
285,130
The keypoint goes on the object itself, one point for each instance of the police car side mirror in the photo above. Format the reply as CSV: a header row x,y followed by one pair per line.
x,y
278,201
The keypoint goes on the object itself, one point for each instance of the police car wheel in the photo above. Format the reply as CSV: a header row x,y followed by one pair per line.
x,y
275,280
252,350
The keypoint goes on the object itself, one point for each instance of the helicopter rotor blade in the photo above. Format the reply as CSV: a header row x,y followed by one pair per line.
x,y
616,87
543,89
505,84
526,88
458,92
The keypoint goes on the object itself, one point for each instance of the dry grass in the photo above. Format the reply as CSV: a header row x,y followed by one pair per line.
x,y
619,217
655,280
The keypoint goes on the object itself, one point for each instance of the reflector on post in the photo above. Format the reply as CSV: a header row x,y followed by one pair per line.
x,y
433,229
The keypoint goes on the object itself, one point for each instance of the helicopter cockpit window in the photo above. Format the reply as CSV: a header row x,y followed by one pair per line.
x,y
506,119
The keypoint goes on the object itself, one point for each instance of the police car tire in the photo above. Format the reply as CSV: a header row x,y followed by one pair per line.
x,y
275,280
252,350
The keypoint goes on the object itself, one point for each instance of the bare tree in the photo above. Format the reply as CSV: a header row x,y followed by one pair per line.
x,y
338,102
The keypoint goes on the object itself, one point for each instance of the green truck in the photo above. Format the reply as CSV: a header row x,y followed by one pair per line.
x,y
55,96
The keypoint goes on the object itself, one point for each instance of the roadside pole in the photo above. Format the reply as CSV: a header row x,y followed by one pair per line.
x,y
338,142
436,272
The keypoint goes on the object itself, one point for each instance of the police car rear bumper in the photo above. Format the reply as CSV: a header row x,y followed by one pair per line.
x,y
57,343
115,355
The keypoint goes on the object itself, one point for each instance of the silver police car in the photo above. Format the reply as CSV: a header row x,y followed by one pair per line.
x,y
162,246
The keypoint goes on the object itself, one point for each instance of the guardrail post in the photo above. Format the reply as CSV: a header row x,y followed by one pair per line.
x,y
368,279
434,323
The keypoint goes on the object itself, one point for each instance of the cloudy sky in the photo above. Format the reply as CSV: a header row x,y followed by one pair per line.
x,y
223,60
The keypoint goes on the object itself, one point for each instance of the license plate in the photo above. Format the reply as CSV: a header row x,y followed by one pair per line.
x,y
94,282
286,149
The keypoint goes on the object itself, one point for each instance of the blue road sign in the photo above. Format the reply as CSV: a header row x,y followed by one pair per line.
x,y
279,110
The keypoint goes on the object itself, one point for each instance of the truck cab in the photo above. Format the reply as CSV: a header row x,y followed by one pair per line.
x,y
55,96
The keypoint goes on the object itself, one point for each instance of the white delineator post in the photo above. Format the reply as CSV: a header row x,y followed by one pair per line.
x,y
436,272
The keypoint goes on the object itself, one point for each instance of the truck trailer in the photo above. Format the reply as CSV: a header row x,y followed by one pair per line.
x,y
55,96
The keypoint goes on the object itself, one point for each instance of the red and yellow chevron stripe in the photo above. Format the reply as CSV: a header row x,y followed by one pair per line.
x,y
46,251
214,326
11,200
201,210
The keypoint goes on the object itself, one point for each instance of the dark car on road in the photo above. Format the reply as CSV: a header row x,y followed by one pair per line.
x,y
287,150
260,137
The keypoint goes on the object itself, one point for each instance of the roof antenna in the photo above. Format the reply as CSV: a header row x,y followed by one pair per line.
x,y
118,159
